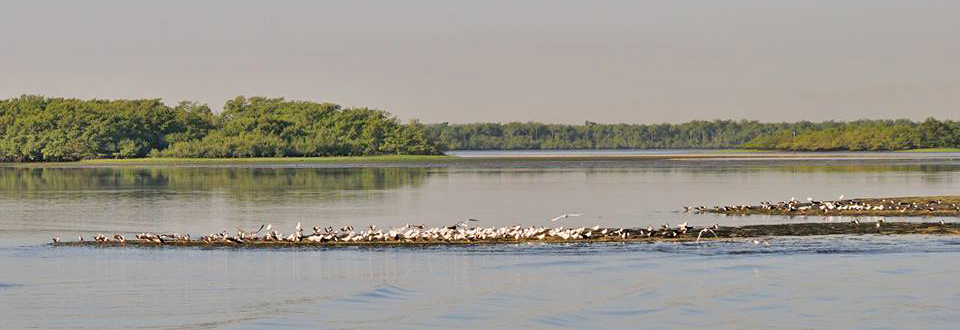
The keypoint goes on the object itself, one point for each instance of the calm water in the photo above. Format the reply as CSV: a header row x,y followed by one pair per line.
x,y
821,282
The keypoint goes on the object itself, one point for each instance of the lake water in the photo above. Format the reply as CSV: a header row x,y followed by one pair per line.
x,y
814,282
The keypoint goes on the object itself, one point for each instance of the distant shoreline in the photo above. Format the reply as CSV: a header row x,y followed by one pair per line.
x,y
482,157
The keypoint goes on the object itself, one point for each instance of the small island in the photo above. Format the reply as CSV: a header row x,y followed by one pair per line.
x,y
463,235
927,206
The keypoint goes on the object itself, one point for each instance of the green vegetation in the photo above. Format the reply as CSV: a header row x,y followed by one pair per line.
x,y
507,136
861,135
36,128
864,135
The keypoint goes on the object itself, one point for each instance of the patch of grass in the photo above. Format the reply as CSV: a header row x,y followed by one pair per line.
x,y
932,150
286,160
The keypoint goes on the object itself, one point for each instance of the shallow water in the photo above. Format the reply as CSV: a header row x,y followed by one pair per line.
x,y
814,282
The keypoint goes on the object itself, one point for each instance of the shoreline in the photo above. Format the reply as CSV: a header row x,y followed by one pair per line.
x,y
444,160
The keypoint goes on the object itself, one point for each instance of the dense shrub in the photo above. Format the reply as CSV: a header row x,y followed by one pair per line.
x,y
36,128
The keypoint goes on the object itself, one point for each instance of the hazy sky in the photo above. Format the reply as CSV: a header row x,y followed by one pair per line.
x,y
464,61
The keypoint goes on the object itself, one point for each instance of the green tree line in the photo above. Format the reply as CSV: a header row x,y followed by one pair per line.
x,y
863,135
799,136
532,135
37,128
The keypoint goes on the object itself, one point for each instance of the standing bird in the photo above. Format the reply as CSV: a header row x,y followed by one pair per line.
x,y
941,223
56,240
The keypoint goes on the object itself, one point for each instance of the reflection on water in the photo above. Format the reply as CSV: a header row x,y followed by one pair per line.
x,y
44,202
18,180
848,281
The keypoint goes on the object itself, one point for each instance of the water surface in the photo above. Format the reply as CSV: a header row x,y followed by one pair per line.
x,y
816,282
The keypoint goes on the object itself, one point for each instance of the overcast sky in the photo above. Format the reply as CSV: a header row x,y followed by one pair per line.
x,y
635,61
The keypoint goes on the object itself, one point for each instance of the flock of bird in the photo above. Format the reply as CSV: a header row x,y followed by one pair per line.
x,y
459,232
793,205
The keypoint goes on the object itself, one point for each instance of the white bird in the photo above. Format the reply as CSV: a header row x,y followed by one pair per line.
x,y
941,222
705,230
56,239
566,215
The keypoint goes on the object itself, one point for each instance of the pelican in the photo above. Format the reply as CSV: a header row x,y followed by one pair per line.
x,y
941,222
56,240
566,215
80,238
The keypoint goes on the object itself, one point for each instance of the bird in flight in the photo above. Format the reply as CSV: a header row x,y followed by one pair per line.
x,y
566,215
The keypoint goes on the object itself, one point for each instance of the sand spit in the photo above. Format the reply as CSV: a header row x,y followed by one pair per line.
x,y
928,206
754,233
